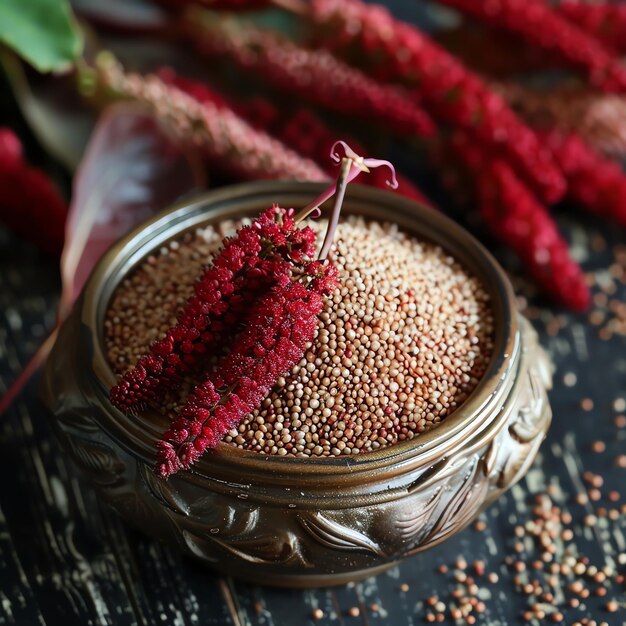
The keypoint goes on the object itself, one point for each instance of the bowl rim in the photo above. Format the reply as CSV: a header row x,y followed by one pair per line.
x,y
139,434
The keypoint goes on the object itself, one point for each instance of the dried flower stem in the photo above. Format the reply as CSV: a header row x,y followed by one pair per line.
x,y
340,192
357,165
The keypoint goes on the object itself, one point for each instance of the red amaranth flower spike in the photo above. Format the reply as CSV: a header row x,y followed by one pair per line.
x,y
30,204
213,128
595,182
303,130
274,339
315,75
517,219
391,50
246,267
599,119
537,22
603,20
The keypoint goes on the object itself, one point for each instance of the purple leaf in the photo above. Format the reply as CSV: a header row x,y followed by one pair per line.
x,y
131,170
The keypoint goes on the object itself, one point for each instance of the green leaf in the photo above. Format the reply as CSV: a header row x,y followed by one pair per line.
x,y
43,32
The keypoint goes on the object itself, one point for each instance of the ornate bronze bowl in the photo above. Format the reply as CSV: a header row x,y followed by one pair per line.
x,y
302,522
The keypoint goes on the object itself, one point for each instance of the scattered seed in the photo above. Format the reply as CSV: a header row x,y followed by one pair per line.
x,y
598,446
570,379
619,405
586,404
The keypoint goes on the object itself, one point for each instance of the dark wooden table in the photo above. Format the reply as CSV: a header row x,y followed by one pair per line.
x,y
65,559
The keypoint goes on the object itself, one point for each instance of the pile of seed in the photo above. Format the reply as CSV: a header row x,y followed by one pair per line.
x,y
402,343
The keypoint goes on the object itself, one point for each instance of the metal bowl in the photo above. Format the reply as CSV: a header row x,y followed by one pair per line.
x,y
302,522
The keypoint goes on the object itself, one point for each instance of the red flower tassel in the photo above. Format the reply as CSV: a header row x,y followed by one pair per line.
x,y
212,127
246,267
602,20
536,22
276,335
595,182
517,219
397,52
315,75
302,130
30,204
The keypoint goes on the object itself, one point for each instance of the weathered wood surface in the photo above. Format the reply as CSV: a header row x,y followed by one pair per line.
x,y
65,559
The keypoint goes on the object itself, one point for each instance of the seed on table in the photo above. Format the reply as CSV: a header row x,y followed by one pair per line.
x,y
620,421
586,404
569,379
598,446
595,495
619,405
